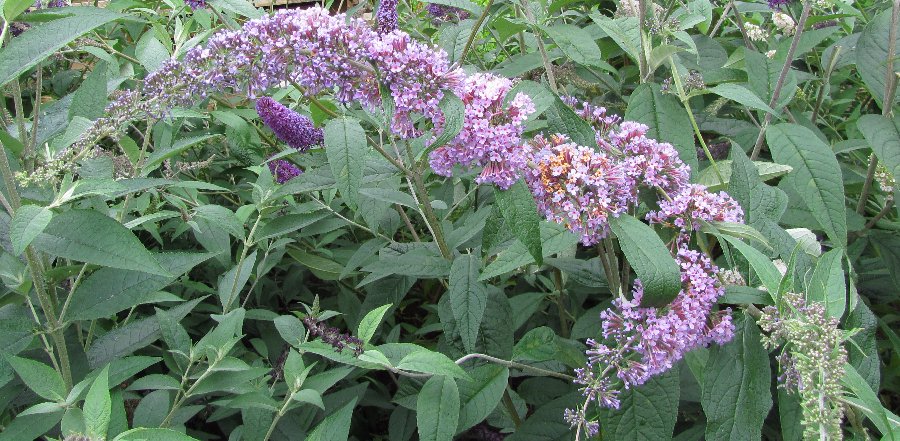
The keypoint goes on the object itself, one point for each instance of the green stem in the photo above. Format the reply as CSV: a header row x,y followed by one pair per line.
x,y
560,304
240,264
511,408
487,8
776,93
886,105
31,145
428,213
642,59
281,411
179,400
685,101
551,77
36,270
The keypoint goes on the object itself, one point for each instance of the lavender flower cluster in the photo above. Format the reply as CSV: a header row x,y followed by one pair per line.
x,y
293,129
577,186
581,187
445,13
318,52
491,136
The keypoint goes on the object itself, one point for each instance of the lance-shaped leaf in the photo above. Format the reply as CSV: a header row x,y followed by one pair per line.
x,y
650,259
816,176
520,213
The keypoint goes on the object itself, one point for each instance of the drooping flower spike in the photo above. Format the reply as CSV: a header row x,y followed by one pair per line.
x,y
320,52
386,16
292,128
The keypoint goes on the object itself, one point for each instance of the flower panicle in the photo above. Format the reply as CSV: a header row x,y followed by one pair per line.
x,y
292,128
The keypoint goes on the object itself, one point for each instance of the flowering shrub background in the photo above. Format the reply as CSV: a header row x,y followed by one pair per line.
x,y
457,220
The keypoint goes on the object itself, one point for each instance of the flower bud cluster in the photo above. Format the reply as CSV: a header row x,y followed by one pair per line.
x,y
812,360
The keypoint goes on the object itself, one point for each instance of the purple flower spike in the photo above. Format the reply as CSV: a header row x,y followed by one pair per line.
x,y
291,127
283,170
777,4
386,17
195,4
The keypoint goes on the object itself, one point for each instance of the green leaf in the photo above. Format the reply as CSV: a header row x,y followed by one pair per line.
x,y
763,73
221,217
89,101
546,423
453,38
178,147
479,397
562,119
437,409
92,237
816,176
27,50
883,135
576,43
369,324
290,328
650,259
27,222
863,350
109,290
454,112
468,298
735,394
554,239
647,412
29,427
666,118
540,95
39,377
240,7
734,229
390,196
346,149
766,171
519,210
232,283
827,285
431,362
12,8
288,223
98,406
741,95
765,269
873,409
538,344
145,434
465,5
624,31
335,427
872,54
128,338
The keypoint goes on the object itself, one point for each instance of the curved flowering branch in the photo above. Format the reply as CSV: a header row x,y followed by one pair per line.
x,y
577,186
581,187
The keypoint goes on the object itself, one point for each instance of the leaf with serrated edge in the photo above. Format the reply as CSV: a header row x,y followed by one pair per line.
x,y
816,176
92,237
468,298
735,394
27,222
346,148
